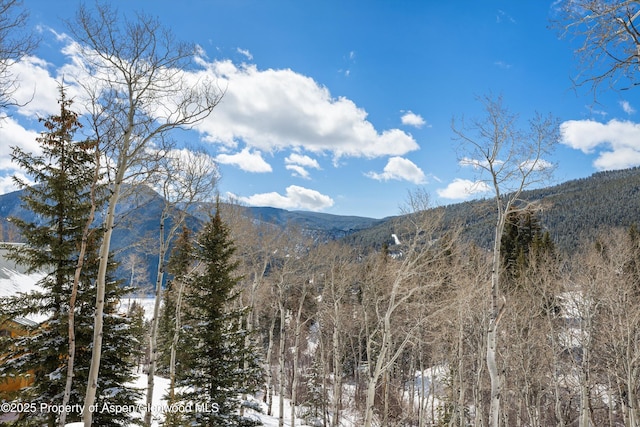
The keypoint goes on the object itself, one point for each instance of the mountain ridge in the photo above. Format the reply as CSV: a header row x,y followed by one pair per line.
x,y
571,211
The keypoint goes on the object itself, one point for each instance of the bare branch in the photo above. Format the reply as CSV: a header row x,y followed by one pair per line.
x,y
609,50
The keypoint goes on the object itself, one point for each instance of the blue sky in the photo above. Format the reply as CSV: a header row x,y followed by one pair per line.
x,y
345,107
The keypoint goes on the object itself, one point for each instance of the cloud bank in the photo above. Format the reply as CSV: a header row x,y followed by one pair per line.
x,y
401,169
295,197
462,189
616,143
262,112
273,110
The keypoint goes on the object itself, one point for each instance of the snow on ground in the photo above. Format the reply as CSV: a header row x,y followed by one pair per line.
x,y
161,387
160,390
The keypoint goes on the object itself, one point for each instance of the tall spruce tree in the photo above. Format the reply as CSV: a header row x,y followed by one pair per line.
x,y
215,372
523,238
173,312
61,200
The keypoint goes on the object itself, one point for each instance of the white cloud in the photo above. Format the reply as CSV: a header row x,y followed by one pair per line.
x,y
536,165
461,189
478,163
281,109
264,110
298,163
627,108
412,119
400,169
619,141
302,160
622,158
245,160
14,135
6,184
38,91
295,198
298,171
246,53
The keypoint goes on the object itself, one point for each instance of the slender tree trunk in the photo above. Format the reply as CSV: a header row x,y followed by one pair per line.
x,y
422,419
610,397
585,404
371,395
323,361
174,343
461,383
337,371
478,388
250,324
296,353
385,413
281,358
74,294
412,384
631,382
153,335
494,319
374,375
269,394
92,382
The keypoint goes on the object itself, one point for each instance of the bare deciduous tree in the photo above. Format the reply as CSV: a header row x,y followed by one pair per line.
x,y
509,160
392,286
138,92
335,312
14,45
609,34
185,179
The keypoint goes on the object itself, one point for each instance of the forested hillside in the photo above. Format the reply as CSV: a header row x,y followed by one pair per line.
x,y
572,211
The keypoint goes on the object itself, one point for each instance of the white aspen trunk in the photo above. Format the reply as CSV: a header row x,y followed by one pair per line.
x,y
585,416
323,361
337,371
374,375
385,412
74,294
478,401
153,336
422,419
610,396
371,395
556,385
281,357
247,338
269,394
495,312
92,382
631,394
294,376
174,344
461,384
412,385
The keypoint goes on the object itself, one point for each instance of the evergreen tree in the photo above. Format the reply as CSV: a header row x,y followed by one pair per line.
x,y
173,312
139,332
214,373
60,200
178,268
522,238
